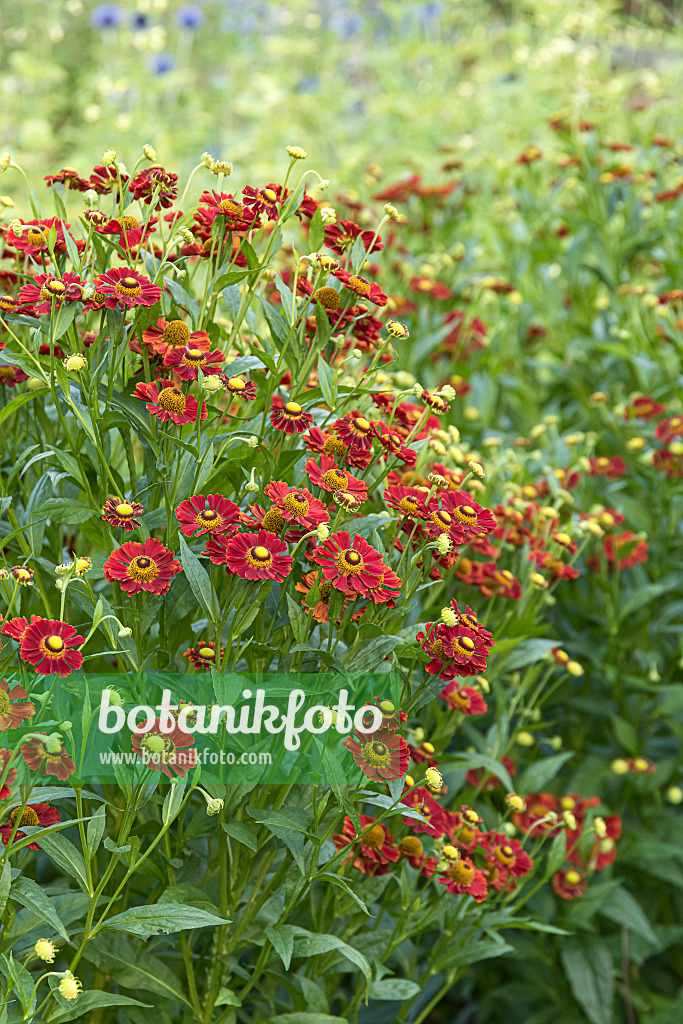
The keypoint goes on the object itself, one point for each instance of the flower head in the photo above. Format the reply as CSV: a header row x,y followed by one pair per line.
x,y
211,514
50,646
289,416
251,556
146,566
15,709
350,564
122,513
125,288
166,752
40,757
32,814
166,401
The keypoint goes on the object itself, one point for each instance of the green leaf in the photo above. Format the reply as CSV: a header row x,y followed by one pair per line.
x,y
197,577
316,231
31,896
314,943
282,941
242,834
65,854
298,620
370,656
95,831
162,919
622,907
396,989
20,400
485,761
5,883
557,854
537,776
88,1001
470,953
65,510
227,998
341,884
588,969
64,319
305,1018
527,652
326,378
133,967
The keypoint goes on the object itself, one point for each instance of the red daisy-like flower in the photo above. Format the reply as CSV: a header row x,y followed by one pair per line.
x,y
125,288
32,239
383,756
69,177
188,361
462,877
104,179
354,430
45,291
15,628
122,513
387,591
167,752
130,233
409,501
440,522
361,286
464,698
146,566
329,478
242,388
340,237
332,445
321,609
643,408
412,849
374,852
232,213
350,564
204,655
32,814
267,200
206,514
468,620
467,650
49,645
155,185
433,641
10,376
251,556
507,853
666,430
422,801
470,515
297,505
171,334
15,709
392,718
40,759
626,548
612,467
166,401
6,756
289,417
392,442
500,581
569,883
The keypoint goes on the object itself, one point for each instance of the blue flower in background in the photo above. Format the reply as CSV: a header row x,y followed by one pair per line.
x,y
190,17
163,63
106,16
139,21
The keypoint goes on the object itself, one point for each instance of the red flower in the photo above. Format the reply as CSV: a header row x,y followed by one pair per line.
x,y
196,519
33,238
155,184
340,237
171,334
165,752
382,756
407,500
104,179
49,645
469,514
507,853
467,649
11,777
435,821
643,408
297,505
251,556
329,478
10,376
234,215
122,513
464,698
569,883
350,564
239,387
463,877
186,362
392,442
468,620
39,758
626,548
501,581
265,200
612,467
669,461
354,431
168,402
125,288
666,430
130,233
321,609
373,853
289,417
203,656
14,708
361,286
15,628
439,521
32,814
146,566
67,176
45,291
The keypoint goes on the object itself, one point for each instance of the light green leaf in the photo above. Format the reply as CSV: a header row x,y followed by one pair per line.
x,y
197,577
162,919
31,896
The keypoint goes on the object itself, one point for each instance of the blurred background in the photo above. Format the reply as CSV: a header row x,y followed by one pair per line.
x,y
367,87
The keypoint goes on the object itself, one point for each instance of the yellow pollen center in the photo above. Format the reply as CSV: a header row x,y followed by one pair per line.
x,y
176,332
230,207
350,562
461,873
142,568
573,877
273,521
387,707
28,817
268,193
260,554
206,653
297,504
130,223
361,424
236,384
35,236
194,356
335,480
124,509
374,838
411,846
172,400
293,408
55,644
359,285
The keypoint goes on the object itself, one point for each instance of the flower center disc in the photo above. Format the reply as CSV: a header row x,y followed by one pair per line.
x,y
129,286
55,644
124,509
230,207
273,521
296,504
206,653
293,408
143,568
350,562
176,332
259,557
361,425
172,400
359,284
29,817
236,384
336,480
461,873
130,223
36,237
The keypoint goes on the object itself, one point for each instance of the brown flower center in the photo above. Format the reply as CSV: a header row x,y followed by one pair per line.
x,y
230,208
328,298
333,445
142,568
176,332
461,873
172,400
335,480
5,703
409,506
130,223
128,286
36,236
375,838
297,504
273,521
359,285
376,753
466,515
28,817
350,562
411,846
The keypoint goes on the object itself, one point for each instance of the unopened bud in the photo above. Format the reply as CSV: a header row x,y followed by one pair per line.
x,y
109,157
517,803
5,161
75,363
223,167
443,544
476,468
434,779
212,384
149,152
448,617
323,532
297,153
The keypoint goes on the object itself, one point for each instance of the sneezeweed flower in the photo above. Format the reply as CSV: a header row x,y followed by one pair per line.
x,y
328,477
612,467
22,575
463,878
372,850
464,698
297,505
186,362
45,292
242,388
170,334
50,646
383,756
507,853
15,708
15,628
362,287
251,556
569,883
207,514
289,416
47,757
31,815
166,401
45,950
75,363
69,987
126,288
121,513
142,567
10,376
203,655
350,564
166,752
